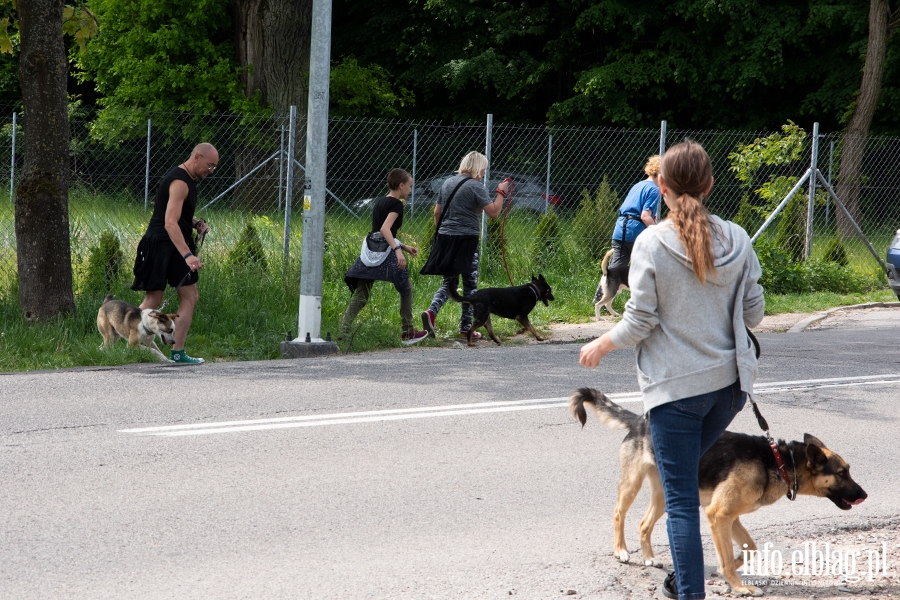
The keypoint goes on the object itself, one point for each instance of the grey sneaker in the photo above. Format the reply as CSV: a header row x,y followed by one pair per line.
x,y
181,357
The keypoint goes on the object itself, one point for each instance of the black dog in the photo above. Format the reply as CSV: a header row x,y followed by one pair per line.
x,y
510,302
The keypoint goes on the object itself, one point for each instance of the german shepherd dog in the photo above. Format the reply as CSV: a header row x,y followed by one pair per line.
x,y
117,318
510,302
610,285
738,475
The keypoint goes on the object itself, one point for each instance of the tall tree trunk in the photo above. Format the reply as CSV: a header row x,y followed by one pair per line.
x,y
42,211
272,40
849,176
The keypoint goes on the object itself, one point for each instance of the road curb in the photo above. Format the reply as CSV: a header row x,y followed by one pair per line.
x,y
800,326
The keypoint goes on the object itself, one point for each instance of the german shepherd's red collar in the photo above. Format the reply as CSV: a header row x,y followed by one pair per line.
x,y
738,475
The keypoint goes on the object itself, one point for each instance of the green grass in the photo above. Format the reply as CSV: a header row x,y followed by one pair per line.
x,y
246,310
819,301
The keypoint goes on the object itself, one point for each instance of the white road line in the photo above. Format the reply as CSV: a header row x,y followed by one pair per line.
x,y
374,416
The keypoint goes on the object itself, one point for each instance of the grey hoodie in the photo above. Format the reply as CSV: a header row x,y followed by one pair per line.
x,y
690,338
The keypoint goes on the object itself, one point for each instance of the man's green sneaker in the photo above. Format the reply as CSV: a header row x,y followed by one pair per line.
x,y
181,357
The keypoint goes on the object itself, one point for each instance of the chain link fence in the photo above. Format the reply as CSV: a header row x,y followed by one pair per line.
x,y
569,183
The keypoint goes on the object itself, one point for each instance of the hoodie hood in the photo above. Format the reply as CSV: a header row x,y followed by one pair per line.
x,y
728,249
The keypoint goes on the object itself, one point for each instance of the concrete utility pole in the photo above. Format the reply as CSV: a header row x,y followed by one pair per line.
x,y
309,341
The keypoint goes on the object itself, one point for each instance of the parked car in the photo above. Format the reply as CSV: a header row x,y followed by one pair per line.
x,y
893,264
530,191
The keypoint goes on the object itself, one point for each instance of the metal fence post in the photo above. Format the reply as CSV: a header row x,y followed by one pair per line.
x,y
412,197
281,168
147,167
828,198
812,191
487,173
289,186
547,192
662,138
12,165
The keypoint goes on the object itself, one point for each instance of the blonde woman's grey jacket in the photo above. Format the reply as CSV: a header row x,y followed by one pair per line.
x,y
690,339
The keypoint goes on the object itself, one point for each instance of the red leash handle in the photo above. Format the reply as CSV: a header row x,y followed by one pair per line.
x,y
508,196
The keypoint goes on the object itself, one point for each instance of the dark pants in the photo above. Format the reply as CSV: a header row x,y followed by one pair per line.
x,y
470,284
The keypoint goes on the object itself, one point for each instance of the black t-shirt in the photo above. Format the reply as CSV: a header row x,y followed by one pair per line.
x,y
158,219
382,208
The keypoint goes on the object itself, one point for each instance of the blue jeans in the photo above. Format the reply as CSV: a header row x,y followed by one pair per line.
x,y
682,432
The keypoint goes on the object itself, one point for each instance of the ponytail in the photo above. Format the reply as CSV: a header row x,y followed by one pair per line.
x,y
691,221
687,172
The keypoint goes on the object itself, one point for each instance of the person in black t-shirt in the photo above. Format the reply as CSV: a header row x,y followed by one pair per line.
x,y
381,259
166,252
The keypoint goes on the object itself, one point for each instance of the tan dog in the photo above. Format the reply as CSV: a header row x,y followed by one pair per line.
x,y
738,475
608,289
117,318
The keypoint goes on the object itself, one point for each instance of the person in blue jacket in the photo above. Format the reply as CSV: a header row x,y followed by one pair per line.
x,y
639,211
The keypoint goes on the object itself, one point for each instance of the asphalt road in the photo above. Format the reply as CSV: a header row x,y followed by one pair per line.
x,y
418,473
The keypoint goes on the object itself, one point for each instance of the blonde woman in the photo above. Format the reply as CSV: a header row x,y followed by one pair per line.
x,y
694,291
639,211
454,251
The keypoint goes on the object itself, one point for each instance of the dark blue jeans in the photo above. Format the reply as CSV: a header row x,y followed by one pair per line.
x,y
682,432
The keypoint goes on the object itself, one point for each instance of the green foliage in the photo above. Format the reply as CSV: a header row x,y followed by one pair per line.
x,y
791,232
495,234
159,55
105,261
592,226
758,166
773,150
365,91
249,250
835,252
782,275
546,239
747,217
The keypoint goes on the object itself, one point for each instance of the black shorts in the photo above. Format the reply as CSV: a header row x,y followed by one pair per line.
x,y
157,263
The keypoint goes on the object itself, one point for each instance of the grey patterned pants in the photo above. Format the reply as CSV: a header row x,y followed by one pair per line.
x,y
470,284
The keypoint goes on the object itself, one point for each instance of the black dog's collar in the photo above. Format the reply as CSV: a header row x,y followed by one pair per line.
x,y
534,288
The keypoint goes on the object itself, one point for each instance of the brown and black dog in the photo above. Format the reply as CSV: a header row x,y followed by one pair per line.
x,y
117,318
511,303
738,475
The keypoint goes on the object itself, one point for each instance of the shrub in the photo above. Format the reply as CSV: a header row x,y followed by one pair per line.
x,y
791,233
836,253
592,226
248,250
780,274
546,238
105,262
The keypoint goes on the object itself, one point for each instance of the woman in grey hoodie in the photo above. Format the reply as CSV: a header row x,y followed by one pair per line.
x,y
694,291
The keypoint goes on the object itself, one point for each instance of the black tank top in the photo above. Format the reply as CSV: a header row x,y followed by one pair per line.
x,y
158,219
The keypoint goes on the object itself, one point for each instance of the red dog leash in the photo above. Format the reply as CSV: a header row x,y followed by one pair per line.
x,y
764,425
507,196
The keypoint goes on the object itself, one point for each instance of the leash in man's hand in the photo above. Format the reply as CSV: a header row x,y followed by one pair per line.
x,y
187,275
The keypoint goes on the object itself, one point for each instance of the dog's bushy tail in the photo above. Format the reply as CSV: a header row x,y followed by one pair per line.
x,y
604,266
610,414
108,298
454,293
